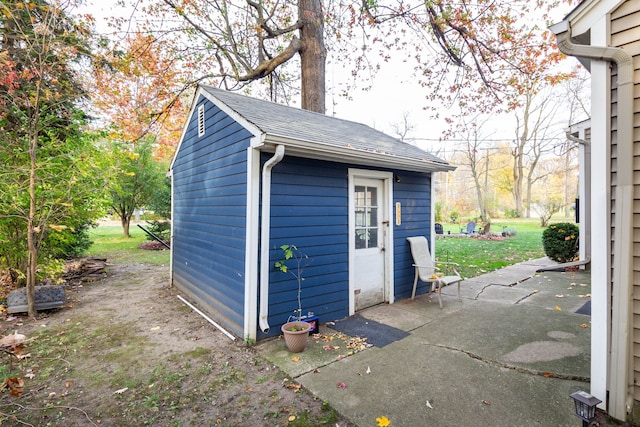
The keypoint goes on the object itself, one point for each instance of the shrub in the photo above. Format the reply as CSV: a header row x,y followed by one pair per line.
x,y
560,241
161,229
438,212
511,213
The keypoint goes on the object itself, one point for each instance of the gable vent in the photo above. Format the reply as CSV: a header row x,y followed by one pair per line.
x,y
201,120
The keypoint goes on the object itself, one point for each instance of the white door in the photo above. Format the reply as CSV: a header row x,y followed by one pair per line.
x,y
369,228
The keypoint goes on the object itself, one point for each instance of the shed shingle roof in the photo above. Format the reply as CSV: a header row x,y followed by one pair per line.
x,y
293,123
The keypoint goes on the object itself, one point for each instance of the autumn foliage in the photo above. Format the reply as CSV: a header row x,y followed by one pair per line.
x,y
138,91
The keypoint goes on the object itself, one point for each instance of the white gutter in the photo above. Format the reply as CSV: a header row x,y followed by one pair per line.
x,y
316,150
621,368
265,236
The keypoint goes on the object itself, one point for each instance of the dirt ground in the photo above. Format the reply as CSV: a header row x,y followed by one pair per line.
x,y
126,351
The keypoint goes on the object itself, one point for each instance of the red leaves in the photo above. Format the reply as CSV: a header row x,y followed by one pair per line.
x,y
15,386
13,345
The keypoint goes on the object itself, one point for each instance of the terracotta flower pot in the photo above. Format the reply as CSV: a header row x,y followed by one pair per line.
x,y
296,335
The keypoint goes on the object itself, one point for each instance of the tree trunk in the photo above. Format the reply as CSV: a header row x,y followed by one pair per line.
x,y
125,220
312,55
517,181
31,227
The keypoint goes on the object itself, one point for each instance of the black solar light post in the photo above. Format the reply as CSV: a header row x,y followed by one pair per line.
x,y
585,406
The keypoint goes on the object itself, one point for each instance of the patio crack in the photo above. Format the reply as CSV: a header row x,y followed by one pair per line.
x,y
514,368
526,296
481,291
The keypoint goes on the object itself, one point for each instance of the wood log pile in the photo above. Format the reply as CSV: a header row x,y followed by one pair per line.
x,y
85,270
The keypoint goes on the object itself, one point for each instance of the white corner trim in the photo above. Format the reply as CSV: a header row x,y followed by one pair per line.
x,y
251,244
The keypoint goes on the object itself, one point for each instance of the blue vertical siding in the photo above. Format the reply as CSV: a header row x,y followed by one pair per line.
x,y
209,222
414,193
309,209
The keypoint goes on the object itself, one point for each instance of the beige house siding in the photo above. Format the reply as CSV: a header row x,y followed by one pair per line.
x,y
625,33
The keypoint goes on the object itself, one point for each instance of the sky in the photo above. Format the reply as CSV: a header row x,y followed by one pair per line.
x,y
393,94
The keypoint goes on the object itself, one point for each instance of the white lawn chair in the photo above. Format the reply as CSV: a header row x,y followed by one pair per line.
x,y
426,269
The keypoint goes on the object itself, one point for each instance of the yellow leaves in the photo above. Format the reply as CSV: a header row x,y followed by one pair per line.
x,y
58,227
295,359
558,308
383,421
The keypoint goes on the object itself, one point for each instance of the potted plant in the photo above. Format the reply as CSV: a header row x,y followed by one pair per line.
x,y
295,331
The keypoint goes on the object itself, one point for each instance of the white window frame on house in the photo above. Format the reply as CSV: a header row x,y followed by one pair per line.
x,y
201,127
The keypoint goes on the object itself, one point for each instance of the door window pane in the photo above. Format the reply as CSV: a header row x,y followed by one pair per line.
x,y
366,216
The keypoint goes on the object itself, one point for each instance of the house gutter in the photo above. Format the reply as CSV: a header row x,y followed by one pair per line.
x,y
621,392
265,226
317,150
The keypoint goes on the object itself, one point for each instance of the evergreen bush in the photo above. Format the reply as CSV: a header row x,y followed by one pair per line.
x,y
560,241
161,229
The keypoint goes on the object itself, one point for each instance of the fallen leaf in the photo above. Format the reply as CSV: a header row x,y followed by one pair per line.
x,y
342,385
383,421
558,308
15,385
292,418
584,325
295,359
295,387
547,374
486,402
13,339
68,384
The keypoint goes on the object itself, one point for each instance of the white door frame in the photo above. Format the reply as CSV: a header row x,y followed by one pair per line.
x,y
387,197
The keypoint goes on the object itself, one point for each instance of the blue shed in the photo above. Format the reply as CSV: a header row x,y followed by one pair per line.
x,y
250,176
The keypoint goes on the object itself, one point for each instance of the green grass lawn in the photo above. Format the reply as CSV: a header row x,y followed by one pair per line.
x,y
109,242
480,256
474,256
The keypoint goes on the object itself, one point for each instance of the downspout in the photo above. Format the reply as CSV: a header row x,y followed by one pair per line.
x,y
265,225
621,357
